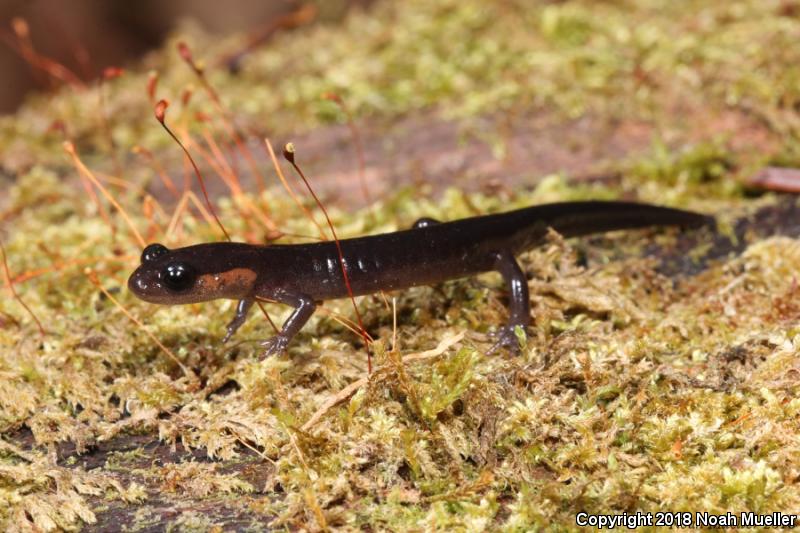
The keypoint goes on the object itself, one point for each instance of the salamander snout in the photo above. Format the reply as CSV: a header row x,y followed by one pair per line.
x,y
144,283
162,278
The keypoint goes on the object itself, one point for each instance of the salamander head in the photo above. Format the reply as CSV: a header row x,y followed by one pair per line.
x,y
189,275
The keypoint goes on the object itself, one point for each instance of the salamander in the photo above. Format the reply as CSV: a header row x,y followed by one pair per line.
x,y
430,252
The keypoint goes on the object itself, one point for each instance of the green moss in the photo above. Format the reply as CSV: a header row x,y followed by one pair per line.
x,y
634,390
653,61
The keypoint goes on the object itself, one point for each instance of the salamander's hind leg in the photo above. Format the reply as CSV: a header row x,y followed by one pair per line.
x,y
424,222
519,305
242,308
304,307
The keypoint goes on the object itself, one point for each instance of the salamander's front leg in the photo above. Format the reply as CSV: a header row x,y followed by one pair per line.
x,y
304,308
242,308
519,300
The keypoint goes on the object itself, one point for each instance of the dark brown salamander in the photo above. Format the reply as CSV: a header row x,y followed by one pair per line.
x,y
430,252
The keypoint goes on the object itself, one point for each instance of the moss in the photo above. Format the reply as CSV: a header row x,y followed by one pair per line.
x,y
636,389
466,59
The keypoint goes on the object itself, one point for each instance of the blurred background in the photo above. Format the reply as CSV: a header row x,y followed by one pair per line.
x,y
89,35
482,95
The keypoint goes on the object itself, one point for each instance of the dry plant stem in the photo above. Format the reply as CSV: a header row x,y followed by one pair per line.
x,y
106,128
152,86
24,47
344,394
343,320
59,262
291,192
243,149
223,170
61,265
154,204
78,51
305,14
52,255
160,172
160,111
96,282
14,211
22,44
70,149
119,183
238,196
254,450
274,326
216,159
394,323
13,291
227,122
101,209
385,301
182,205
90,192
227,173
231,154
288,153
151,210
359,145
340,319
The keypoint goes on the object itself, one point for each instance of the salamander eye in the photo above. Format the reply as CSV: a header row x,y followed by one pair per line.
x,y
153,252
178,276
